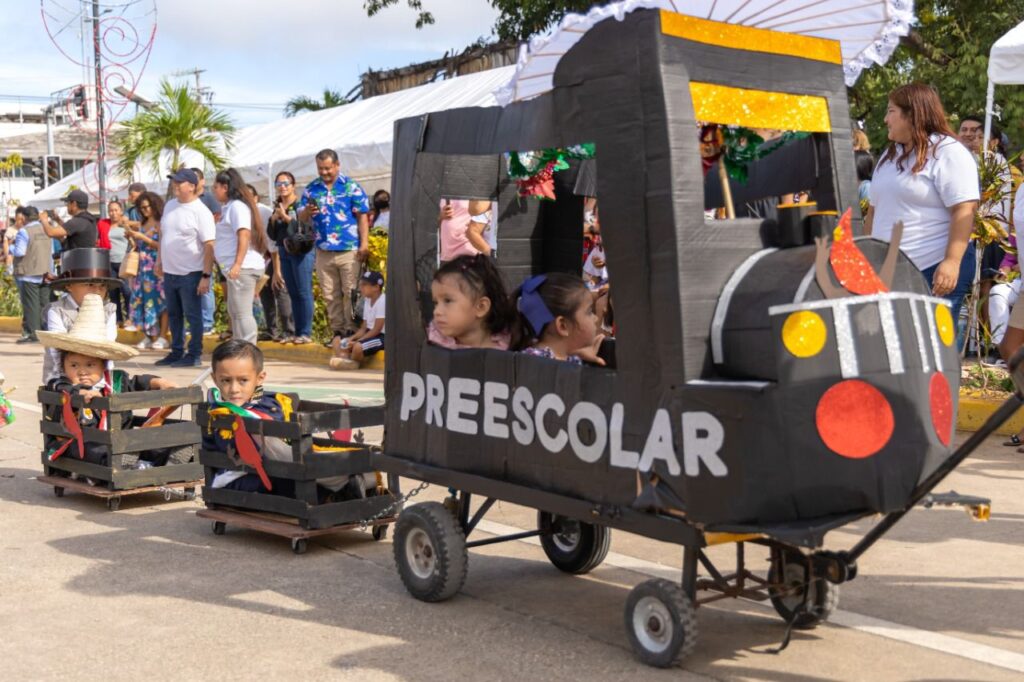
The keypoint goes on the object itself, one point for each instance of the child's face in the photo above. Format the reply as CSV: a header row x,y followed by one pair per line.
x,y
79,290
370,291
584,325
83,370
237,379
456,313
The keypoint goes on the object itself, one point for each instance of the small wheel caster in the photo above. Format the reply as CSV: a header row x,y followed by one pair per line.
x,y
113,503
219,527
190,494
299,545
58,491
380,532
168,495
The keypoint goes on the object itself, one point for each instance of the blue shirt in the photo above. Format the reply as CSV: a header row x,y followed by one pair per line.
x,y
336,222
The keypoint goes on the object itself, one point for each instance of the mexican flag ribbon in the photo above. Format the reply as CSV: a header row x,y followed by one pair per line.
x,y
244,444
70,422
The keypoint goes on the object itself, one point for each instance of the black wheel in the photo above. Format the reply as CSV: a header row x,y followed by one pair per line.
x,y
219,527
573,546
661,623
430,552
789,585
299,545
58,491
190,494
113,503
380,532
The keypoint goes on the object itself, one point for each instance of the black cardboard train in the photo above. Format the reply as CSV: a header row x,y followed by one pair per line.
x,y
752,388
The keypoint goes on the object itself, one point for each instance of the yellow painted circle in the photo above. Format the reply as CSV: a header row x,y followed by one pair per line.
x,y
944,323
804,333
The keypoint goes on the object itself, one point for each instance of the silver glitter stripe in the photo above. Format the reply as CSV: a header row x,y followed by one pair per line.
x,y
853,300
892,336
934,333
722,309
844,340
919,332
801,291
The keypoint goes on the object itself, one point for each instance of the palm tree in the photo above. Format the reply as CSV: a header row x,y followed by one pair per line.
x,y
332,98
179,121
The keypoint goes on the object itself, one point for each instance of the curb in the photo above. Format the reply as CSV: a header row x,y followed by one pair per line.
x,y
974,412
310,353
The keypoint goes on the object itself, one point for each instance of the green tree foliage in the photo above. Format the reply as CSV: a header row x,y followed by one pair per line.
x,y
179,121
948,48
520,19
422,18
332,98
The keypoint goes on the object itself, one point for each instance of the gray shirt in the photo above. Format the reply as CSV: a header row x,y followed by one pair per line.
x,y
118,244
211,203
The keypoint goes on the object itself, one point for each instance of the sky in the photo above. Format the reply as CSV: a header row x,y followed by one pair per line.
x,y
257,54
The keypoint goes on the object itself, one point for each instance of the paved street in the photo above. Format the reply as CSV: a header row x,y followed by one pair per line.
x,y
150,591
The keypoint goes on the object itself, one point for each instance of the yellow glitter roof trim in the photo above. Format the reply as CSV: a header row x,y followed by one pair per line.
x,y
759,108
750,39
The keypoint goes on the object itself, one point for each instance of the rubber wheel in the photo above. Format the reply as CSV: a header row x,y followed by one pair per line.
x,y
190,494
661,623
574,546
299,545
430,552
58,491
787,570
113,503
380,532
219,527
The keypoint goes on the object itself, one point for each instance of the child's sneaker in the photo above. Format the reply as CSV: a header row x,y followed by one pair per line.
x,y
160,344
344,363
145,344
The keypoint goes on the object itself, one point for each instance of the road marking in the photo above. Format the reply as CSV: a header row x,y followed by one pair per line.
x,y
935,641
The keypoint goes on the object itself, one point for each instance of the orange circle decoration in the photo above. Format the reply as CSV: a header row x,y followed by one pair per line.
x,y
854,419
941,400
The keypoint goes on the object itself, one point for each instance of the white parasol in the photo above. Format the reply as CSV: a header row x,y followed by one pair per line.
x,y
868,31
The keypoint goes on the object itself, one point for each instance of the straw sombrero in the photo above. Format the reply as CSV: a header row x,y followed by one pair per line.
x,y
88,334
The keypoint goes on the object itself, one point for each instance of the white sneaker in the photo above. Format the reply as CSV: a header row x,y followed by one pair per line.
x,y
145,344
130,328
160,344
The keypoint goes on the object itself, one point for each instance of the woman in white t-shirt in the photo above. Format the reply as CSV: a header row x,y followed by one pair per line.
x,y
927,179
239,248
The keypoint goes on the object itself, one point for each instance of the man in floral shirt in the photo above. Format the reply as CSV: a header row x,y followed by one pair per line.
x,y
338,209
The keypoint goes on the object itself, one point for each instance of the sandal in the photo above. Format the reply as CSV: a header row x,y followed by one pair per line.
x,y
301,340
1014,441
224,336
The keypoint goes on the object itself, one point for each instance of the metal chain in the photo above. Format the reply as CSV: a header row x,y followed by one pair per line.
x,y
399,500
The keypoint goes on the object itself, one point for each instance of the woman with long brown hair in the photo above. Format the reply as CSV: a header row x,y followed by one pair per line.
x,y
928,180
239,247
148,307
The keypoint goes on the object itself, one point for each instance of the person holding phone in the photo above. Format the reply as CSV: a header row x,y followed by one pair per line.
x,y
338,209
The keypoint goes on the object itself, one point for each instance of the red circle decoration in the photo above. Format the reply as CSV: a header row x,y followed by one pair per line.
x,y
854,419
941,400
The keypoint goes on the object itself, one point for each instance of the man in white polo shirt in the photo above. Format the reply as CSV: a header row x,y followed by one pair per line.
x,y
185,261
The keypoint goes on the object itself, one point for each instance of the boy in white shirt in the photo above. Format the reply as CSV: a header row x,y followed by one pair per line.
x,y
349,352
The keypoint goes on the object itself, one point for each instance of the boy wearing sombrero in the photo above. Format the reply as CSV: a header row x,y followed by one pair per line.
x,y
83,272
84,353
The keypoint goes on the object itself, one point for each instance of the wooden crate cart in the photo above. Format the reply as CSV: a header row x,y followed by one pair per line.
x,y
302,516
120,478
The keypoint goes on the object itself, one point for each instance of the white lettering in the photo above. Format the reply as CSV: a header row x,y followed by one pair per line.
x,y
659,444
412,394
620,457
522,427
495,413
459,407
550,402
703,437
435,399
595,415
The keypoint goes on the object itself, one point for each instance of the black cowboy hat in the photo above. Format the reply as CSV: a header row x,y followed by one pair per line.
x,y
85,265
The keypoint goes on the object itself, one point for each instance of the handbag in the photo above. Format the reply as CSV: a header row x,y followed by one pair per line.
x,y
300,239
130,263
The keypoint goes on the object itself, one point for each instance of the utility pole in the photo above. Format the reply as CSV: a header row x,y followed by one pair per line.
x,y
101,134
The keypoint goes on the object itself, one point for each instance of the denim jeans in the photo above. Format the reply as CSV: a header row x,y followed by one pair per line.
x,y
963,285
209,304
298,279
183,303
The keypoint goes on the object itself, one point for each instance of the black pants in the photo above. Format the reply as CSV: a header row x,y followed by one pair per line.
x,y
118,296
277,308
34,297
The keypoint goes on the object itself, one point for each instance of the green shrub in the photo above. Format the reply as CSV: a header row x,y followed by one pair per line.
x,y
10,304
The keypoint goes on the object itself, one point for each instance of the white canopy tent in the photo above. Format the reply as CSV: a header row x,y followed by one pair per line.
x,y
1005,67
361,133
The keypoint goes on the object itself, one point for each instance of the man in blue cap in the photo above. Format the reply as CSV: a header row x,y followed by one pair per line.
x,y
185,262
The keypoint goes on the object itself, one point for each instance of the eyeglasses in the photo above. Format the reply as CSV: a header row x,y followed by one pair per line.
x,y
283,184
143,207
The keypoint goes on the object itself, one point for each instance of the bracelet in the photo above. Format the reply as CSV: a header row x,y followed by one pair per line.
x,y
206,275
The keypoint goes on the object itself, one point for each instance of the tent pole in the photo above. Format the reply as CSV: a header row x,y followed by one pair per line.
x,y
989,105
